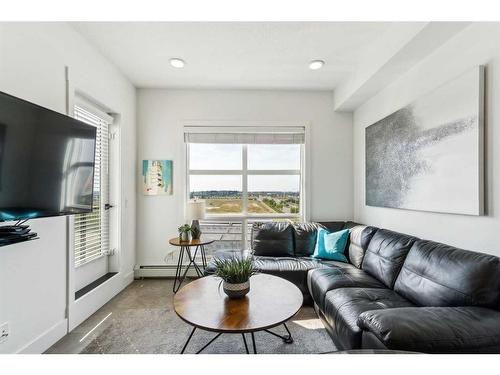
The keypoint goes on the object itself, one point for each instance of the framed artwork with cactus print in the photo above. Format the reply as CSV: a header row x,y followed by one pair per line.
x,y
157,177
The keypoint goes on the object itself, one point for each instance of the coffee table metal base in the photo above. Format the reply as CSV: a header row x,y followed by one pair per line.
x,y
288,339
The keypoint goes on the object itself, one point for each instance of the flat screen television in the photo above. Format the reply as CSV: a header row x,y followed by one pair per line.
x,y
46,162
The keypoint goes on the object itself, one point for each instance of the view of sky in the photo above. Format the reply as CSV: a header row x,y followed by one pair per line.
x,y
229,156
274,157
215,156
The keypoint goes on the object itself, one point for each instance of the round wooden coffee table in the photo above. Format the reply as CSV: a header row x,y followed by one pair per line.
x,y
271,302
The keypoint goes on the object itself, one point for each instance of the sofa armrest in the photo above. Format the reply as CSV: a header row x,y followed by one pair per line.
x,y
435,329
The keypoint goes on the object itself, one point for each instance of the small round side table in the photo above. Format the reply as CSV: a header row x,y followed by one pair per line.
x,y
186,249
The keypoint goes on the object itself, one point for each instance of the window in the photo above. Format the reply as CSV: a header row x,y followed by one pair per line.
x,y
223,194
245,175
91,230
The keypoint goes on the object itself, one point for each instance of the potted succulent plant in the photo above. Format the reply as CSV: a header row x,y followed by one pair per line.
x,y
235,274
185,233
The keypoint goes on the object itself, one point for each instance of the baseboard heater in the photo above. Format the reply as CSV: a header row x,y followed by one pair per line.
x,y
162,270
87,288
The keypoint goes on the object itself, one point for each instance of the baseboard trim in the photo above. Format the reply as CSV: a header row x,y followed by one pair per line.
x,y
88,304
160,271
128,278
104,293
46,339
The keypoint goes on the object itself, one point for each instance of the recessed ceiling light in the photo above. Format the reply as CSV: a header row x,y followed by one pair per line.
x,y
316,64
177,63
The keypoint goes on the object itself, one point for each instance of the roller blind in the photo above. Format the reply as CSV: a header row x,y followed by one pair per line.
x,y
245,135
91,230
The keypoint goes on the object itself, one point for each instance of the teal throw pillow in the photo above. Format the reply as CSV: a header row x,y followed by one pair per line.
x,y
331,246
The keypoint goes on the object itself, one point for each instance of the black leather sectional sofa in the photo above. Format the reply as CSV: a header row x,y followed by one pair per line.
x,y
397,292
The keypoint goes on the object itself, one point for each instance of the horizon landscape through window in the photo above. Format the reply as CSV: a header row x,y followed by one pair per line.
x,y
267,193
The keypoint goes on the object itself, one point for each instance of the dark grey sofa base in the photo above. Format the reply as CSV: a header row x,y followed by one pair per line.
x,y
331,331
370,341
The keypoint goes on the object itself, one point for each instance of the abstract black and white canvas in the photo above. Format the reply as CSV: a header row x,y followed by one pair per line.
x,y
428,155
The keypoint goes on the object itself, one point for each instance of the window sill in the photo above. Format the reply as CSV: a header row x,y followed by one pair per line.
x,y
250,216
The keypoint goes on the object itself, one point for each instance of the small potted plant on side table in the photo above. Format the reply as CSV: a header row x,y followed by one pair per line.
x,y
235,274
184,233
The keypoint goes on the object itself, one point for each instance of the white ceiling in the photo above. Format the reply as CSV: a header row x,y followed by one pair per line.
x,y
234,55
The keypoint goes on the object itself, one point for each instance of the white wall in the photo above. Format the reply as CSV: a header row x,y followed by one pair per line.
x,y
160,135
33,274
479,44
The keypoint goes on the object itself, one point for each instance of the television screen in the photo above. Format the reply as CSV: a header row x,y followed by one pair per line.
x,y
46,162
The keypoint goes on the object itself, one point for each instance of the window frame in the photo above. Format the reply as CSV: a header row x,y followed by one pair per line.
x,y
244,217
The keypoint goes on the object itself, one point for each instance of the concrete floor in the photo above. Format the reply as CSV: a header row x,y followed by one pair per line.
x,y
141,319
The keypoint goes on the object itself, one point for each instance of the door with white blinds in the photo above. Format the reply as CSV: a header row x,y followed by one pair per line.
x,y
91,230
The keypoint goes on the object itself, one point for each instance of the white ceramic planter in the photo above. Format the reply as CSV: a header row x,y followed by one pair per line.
x,y
185,236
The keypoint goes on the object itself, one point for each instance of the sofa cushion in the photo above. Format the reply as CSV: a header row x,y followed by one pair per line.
x,y
294,269
294,264
465,329
359,238
344,306
273,239
385,255
434,274
333,226
331,246
305,238
320,281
